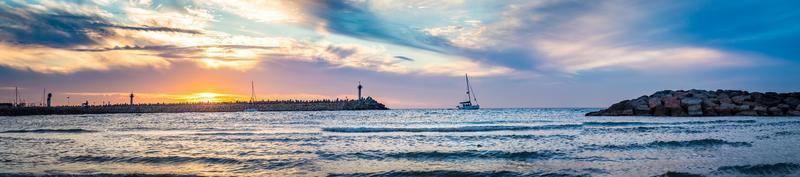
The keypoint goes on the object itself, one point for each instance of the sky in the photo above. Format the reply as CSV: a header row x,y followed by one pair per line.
x,y
406,53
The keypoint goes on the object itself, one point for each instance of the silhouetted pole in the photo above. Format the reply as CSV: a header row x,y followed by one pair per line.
x,y
49,98
16,96
131,102
359,90
67,101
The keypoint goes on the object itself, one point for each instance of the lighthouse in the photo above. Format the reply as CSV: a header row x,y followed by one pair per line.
x,y
49,98
131,102
359,90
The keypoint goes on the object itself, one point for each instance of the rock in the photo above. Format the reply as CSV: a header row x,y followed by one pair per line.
x,y
775,111
747,113
723,98
627,112
671,102
726,109
706,103
660,111
784,107
691,101
769,99
793,113
695,110
792,101
710,112
654,102
743,108
640,106
740,99
710,102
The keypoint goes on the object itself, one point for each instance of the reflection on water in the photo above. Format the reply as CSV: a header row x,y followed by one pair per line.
x,y
490,142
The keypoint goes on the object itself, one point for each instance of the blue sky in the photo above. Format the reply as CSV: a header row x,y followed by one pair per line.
x,y
558,53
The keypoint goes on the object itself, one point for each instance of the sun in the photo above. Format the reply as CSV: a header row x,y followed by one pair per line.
x,y
208,97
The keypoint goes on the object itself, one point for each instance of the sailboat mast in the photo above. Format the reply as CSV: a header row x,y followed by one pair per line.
x,y
471,92
469,97
252,91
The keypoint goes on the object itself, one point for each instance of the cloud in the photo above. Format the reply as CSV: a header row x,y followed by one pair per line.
x,y
404,58
58,28
571,37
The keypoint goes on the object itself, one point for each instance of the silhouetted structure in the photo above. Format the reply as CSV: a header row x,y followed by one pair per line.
x,y
277,105
49,99
131,102
359,90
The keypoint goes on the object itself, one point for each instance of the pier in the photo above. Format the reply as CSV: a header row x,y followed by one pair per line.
x,y
279,105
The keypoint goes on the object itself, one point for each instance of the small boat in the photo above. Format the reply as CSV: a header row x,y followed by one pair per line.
x,y
472,102
252,98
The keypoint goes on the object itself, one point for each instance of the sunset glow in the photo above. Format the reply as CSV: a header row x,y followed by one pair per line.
x,y
209,97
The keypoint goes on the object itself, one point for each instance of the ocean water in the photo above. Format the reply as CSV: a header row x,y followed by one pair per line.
x,y
487,142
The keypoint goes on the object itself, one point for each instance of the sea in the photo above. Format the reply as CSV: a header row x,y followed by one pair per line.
x,y
403,142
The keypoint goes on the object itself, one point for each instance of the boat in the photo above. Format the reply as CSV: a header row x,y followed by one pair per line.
x,y
472,102
252,98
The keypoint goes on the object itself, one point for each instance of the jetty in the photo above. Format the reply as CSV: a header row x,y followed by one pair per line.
x,y
707,103
368,103
280,105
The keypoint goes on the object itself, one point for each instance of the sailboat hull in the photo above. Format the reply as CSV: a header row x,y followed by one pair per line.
x,y
469,107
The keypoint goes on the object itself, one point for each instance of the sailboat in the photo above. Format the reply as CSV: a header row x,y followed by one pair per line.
x,y
472,102
252,98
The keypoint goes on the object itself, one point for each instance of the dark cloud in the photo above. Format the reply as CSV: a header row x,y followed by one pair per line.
x,y
60,29
342,52
172,48
153,28
346,18
404,58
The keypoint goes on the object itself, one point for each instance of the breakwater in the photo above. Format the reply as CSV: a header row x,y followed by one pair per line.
x,y
285,105
707,103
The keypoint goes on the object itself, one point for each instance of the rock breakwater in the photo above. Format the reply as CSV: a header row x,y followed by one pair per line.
x,y
707,103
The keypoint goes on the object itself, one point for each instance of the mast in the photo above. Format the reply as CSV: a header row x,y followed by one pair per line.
x,y
469,97
16,96
43,95
252,91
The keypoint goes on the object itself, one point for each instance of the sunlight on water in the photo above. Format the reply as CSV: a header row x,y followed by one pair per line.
x,y
493,142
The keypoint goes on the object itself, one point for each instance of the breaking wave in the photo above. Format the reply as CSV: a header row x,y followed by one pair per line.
x,y
74,130
668,123
761,169
92,175
678,174
436,155
671,144
261,163
448,129
459,173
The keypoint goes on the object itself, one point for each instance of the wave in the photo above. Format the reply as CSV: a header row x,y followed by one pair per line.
x,y
74,130
448,129
618,123
459,173
260,163
93,175
678,174
719,122
761,169
661,129
671,144
436,155
668,123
